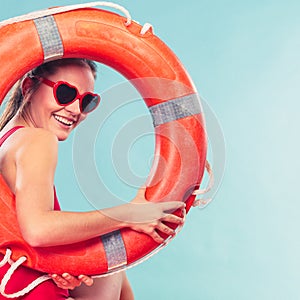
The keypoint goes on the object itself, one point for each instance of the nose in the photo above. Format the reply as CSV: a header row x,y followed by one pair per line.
x,y
74,107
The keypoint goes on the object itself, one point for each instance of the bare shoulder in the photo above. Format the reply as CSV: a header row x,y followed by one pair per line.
x,y
36,136
35,142
27,154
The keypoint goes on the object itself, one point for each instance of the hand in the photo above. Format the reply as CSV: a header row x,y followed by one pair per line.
x,y
69,282
150,218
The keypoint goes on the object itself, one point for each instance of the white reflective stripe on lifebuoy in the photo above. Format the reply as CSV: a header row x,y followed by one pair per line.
x,y
50,37
175,109
114,249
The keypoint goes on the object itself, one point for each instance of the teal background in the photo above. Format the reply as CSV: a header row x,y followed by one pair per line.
x,y
244,59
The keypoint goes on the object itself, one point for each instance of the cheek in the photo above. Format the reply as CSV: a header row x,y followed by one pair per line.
x,y
42,109
43,99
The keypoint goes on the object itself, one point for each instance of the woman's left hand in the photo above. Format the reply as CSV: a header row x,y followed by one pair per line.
x,y
69,282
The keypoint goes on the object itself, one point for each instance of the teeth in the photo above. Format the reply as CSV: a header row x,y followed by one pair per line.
x,y
64,121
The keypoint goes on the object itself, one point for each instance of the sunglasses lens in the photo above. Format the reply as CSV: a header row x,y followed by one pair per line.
x,y
89,102
65,94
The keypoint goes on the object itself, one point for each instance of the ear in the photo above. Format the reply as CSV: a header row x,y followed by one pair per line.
x,y
27,85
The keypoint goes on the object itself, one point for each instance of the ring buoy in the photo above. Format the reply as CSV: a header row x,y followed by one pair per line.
x,y
169,93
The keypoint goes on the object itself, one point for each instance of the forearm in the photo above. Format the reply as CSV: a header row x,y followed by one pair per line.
x,y
53,228
41,226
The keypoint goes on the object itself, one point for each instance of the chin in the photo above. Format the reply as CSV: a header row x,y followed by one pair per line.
x,y
63,134
62,137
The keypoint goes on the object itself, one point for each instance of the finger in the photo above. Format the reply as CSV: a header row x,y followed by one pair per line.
x,y
57,278
140,196
165,229
172,206
141,191
173,219
72,280
86,280
157,238
59,281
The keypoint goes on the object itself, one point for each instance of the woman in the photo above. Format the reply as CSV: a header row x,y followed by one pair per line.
x,y
47,104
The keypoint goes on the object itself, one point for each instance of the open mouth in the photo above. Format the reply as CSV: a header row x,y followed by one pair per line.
x,y
64,121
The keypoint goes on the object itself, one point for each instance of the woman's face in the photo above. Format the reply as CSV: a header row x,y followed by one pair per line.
x,y
46,113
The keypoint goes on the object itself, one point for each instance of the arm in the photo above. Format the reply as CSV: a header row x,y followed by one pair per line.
x,y
41,226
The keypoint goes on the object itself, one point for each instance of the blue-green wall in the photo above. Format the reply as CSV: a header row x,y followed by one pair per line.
x,y
244,57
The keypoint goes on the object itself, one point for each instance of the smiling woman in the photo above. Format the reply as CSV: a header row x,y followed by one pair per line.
x,y
30,96
44,109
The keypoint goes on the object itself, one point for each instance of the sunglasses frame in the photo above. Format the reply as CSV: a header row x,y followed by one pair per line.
x,y
80,97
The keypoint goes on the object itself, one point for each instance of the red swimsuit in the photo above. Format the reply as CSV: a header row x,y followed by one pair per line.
x,y
23,276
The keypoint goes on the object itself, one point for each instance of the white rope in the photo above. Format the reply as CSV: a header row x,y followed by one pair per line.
x,y
146,28
9,273
203,202
6,258
57,10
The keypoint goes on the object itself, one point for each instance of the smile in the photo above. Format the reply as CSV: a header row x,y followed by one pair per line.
x,y
64,121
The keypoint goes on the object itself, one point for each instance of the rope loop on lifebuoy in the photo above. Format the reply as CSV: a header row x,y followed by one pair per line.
x,y
204,202
14,266
146,28
57,10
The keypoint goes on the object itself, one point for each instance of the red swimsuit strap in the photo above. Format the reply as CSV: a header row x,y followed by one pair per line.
x,y
9,133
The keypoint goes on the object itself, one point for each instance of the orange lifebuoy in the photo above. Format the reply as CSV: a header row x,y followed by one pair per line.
x,y
168,92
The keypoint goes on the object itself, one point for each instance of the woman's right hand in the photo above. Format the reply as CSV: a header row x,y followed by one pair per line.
x,y
149,217
69,282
